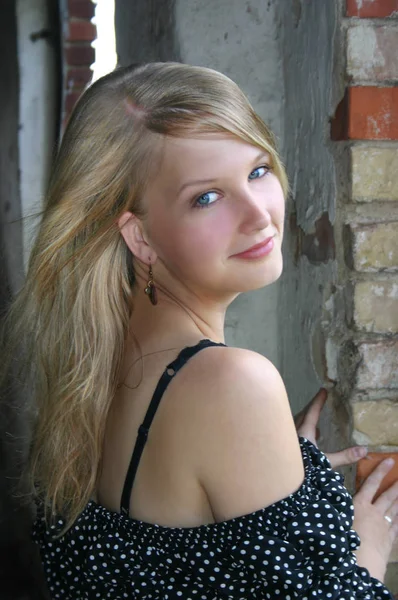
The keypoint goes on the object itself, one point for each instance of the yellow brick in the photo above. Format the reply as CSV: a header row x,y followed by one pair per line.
x,y
375,422
376,306
374,173
375,247
377,367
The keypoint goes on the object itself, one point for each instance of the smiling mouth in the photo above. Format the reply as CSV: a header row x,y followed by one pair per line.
x,y
259,247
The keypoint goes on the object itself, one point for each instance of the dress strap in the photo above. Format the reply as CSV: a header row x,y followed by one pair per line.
x,y
143,430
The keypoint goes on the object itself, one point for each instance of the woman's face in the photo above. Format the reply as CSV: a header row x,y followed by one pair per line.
x,y
212,199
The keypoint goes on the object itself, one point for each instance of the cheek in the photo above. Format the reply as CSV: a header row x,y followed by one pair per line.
x,y
197,238
210,230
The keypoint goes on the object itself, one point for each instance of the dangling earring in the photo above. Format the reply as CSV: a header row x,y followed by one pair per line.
x,y
150,289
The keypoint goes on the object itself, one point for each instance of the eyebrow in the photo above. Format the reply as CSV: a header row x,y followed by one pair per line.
x,y
195,182
262,154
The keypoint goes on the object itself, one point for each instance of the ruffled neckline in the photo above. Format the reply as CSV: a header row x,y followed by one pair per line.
x,y
130,527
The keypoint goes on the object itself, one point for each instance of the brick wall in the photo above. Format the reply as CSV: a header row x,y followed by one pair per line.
x,y
367,121
77,52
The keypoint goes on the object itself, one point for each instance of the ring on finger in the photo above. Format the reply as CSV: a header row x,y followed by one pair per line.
x,y
388,519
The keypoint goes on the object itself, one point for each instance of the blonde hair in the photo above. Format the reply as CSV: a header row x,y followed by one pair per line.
x,y
73,311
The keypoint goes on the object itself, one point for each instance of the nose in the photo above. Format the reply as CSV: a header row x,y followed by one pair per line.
x,y
254,211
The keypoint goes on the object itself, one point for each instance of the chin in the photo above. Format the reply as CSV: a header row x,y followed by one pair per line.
x,y
269,273
267,281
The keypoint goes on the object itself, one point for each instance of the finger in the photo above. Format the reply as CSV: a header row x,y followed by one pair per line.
x,y
387,499
348,456
314,410
372,483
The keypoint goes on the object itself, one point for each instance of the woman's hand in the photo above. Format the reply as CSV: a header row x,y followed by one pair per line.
x,y
377,533
376,521
307,426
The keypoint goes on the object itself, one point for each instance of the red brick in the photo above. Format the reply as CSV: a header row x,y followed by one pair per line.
x,y
78,77
371,8
366,465
81,31
82,9
79,54
373,113
70,101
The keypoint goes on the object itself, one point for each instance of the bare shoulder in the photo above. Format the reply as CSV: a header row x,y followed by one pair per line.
x,y
239,362
248,455
224,373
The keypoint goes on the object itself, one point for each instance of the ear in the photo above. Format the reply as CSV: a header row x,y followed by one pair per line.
x,y
132,230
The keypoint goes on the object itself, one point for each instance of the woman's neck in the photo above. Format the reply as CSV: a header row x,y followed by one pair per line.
x,y
173,318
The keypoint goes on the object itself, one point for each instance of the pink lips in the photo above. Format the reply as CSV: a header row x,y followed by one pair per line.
x,y
257,251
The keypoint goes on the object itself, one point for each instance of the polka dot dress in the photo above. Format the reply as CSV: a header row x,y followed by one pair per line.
x,y
300,547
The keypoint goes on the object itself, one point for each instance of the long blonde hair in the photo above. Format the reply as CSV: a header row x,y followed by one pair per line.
x,y
73,311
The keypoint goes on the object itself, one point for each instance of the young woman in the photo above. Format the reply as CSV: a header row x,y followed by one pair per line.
x,y
167,464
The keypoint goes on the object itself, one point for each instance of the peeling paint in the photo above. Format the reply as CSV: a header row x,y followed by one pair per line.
x,y
319,246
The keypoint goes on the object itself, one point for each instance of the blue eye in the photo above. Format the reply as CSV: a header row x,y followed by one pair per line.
x,y
259,172
206,199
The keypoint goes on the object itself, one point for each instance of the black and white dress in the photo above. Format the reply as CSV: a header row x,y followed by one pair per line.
x,y
299,547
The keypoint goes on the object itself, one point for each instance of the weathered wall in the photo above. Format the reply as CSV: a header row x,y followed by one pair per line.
x,y
307,39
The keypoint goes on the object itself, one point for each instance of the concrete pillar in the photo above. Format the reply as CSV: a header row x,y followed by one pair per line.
x,y
307,36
